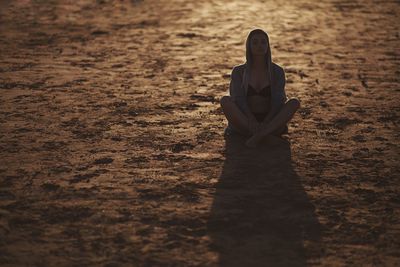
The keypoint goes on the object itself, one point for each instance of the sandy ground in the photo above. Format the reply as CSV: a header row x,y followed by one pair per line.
x,y
112,148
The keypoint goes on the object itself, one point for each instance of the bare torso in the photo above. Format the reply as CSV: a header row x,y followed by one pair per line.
x,y
257,103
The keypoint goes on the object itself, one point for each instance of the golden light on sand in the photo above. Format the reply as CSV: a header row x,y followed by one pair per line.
x,y
112,140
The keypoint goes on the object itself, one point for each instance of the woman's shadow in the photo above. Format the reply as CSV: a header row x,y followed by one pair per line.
x,y
261,215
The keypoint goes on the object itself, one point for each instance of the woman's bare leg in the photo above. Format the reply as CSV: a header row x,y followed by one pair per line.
x,y
284,116
234,115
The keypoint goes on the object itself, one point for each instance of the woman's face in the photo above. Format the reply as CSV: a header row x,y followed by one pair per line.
x,y
258,44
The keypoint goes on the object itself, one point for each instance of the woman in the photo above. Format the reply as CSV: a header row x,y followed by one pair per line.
x,y
257,106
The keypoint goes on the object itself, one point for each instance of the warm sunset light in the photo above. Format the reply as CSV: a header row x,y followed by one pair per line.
x,y
199,133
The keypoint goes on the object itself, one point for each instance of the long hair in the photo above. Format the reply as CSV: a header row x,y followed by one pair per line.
x,y
249,55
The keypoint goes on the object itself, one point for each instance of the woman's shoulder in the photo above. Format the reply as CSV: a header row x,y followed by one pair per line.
x,y
277,69
239,68
237,72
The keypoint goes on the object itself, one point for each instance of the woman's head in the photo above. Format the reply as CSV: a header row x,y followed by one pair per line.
x,y
257,45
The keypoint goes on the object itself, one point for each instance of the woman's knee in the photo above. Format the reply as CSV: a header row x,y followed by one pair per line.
x,y
225,100
294,102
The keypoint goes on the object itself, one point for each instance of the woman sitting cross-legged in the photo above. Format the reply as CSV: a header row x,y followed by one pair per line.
x,y
257,106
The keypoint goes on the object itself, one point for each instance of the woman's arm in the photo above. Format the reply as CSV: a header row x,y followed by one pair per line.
x,y
281,85
237,93
282,98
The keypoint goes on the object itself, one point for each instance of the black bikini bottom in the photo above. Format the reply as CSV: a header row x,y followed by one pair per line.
x,y
260,116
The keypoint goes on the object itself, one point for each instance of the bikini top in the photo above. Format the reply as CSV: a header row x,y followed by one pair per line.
x,y
266,91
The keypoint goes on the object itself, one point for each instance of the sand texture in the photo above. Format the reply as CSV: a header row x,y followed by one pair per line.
x,y
112,147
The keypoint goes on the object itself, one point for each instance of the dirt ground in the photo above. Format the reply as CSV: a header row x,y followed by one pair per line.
x,y
111,136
